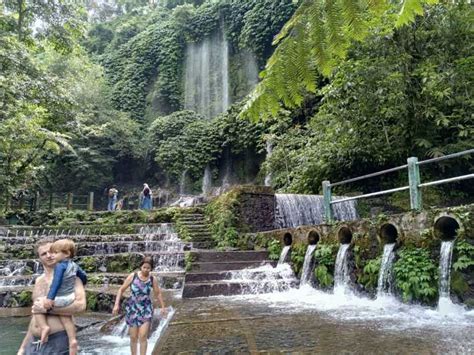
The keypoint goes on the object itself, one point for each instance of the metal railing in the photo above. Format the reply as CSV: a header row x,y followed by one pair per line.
x,y
414,183
51,201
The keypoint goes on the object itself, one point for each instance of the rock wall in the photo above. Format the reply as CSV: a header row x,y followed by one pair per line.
x,y
256,211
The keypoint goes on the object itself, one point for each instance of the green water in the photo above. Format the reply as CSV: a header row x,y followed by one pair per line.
x,y
12,332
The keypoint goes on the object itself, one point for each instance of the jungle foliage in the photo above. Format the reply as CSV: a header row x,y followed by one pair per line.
x,y
95,95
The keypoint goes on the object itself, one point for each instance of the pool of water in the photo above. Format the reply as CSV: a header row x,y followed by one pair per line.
x,y
297,321
12,332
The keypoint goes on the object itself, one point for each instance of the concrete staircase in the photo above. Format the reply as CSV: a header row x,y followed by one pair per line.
x,y
193,227
213,273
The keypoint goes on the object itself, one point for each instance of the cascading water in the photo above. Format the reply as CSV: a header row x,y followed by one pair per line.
x,y
117,343
445,305
283,255
207,181
207,75
306,271
297,210
268,176
384,285
341,271
182,182
264,279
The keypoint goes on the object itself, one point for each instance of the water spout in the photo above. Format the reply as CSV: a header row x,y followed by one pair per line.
x,y
307,264
341,273
384,285
283,255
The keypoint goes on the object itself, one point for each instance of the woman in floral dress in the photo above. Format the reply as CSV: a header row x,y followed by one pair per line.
x,y
139,307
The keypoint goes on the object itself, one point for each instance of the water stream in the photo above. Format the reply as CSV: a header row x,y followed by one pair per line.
x,y
283,255
341,271
207,181
445,305
384,284
307,264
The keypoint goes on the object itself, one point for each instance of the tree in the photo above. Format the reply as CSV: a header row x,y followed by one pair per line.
x,y
60,22
315,40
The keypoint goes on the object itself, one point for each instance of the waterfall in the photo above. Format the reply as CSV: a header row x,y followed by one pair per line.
x,y
172,255
268,176
384,285
264,279
445,305
297,210
284,253
207,75
182,182
341,271
207,181
308,258
227,170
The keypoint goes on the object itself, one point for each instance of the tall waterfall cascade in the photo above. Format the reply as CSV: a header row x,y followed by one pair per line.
x,y
268,176
295,210
207,76
306,272
341,271
182,182
384,284
283,255
215,77
206,181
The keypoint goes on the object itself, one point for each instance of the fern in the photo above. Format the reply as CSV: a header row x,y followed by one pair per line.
x,y
316,39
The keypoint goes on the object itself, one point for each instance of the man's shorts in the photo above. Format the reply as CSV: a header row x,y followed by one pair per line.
x,y
57,344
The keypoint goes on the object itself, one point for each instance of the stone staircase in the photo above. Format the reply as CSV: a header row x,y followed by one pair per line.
x,y
227,273
193,227
107,259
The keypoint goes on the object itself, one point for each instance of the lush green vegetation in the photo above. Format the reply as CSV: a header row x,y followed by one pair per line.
x,y
416,275
96,97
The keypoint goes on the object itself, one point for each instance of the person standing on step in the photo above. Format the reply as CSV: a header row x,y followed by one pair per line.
x,y
146,198
139,307
112,195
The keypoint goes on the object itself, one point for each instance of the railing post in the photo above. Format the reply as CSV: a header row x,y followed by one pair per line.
x,y
90,203
69,201
327,201
414,181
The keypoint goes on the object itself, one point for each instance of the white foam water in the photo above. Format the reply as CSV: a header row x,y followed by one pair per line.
x,y
118,343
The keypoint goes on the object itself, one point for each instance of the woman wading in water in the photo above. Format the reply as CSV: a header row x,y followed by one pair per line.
x,y
139,307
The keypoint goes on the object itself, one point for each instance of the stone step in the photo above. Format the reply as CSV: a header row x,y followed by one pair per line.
x,y
203,245
226,266
119,262
223,288
195,226
91,248
201,234
228,256
201,219
203,277
84,238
